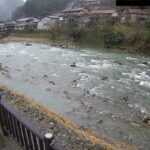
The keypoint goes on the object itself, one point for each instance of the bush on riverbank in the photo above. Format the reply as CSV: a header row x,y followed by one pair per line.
x,y
131,37
111,34
77,33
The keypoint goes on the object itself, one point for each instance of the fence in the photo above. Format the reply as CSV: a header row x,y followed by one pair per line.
x,y
20,129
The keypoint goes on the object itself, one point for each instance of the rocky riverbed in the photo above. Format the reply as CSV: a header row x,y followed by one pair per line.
x,y
106,93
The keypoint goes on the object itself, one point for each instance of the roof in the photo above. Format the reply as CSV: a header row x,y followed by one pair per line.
x,y
55,17
139,11
10,23
103,11
32,23
29,20
22,24
73,10
23,19
91,0
35,20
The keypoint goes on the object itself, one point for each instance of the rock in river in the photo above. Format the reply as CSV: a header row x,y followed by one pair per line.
x,y
48,89
52,82
125,99
8,55
118,62
45,76
98,122
135,125
146,119
145,63
73,64
104,78
106,113
28,44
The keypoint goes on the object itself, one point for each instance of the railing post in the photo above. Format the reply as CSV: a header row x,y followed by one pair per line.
x,y
4,129
48,138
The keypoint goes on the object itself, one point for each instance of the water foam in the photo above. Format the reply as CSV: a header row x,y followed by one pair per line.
x,y
139,107
144,83
130,58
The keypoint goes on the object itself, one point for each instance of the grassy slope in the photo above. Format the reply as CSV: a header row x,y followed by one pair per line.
x,y
135,38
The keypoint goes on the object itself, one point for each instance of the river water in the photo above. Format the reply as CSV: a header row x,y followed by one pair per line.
x,y
106,91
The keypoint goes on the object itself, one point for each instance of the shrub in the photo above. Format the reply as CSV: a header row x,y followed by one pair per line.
x,y
131,36
114,38
77,32
110,22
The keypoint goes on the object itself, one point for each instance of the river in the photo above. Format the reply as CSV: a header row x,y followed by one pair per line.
x,y
105,91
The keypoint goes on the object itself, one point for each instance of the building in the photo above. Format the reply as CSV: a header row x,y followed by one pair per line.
x,y
135,15
76,12
24,20
22,23
10,25
105,14
27,22
49,22
83,21
3,29
34,23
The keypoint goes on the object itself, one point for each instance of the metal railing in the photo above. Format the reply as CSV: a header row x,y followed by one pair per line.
x,y
20,129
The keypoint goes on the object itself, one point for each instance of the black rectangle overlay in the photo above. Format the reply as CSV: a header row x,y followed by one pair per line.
x,y
133,2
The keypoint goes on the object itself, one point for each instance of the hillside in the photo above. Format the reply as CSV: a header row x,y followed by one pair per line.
x,y
7,7
37,7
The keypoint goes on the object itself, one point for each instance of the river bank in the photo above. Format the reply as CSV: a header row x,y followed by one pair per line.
x,y
61,42
24,39
67,135
129,38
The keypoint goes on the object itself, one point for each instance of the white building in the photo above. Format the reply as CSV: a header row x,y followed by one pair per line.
x,y
48,22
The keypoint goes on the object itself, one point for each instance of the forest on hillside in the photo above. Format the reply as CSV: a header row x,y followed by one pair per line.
x,y
37,7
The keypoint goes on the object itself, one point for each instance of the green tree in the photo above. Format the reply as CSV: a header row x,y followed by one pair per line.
x,y
77,33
